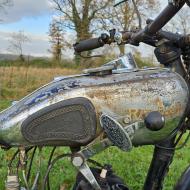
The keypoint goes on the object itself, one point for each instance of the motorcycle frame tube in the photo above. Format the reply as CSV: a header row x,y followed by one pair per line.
x,y
162,158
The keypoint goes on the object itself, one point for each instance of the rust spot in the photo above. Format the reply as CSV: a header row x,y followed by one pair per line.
x,y
105,94
172,111
159,104
137,114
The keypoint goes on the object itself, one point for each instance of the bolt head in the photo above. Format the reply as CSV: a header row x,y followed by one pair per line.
x,y
77,161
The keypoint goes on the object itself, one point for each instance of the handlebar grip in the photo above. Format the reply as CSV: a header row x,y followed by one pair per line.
x,y
90,44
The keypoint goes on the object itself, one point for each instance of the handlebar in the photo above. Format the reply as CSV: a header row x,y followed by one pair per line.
x,y
94,43
133,38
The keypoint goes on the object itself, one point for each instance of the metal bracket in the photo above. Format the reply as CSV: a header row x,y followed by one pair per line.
x,y
117,135
87,173
79,160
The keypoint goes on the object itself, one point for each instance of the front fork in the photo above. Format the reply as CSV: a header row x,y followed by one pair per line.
x,y
162,158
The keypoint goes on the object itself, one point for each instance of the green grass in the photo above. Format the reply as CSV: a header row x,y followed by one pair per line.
x,y
131,166
4,104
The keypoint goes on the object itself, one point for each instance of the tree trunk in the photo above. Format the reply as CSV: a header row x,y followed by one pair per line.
x,y
83,33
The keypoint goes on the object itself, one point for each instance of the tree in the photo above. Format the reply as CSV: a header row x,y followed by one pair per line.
x,y
17,42
56,39
81,16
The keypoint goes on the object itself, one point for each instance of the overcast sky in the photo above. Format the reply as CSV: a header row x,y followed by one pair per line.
x,y
33,17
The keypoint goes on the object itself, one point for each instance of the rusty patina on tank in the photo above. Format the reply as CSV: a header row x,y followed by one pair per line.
x,y
127,97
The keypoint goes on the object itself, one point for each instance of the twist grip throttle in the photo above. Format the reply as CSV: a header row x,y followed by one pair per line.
x,y
90,44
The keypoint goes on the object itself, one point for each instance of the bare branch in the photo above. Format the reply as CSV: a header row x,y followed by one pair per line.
x,y
138,13
17,42
181,22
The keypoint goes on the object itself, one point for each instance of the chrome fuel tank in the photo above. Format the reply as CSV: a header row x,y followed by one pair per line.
x,y
66,112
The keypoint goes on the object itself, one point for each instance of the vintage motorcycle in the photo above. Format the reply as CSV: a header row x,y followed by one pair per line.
x,y
113,105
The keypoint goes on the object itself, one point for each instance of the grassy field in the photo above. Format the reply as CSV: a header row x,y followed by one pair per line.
x,y
16,82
